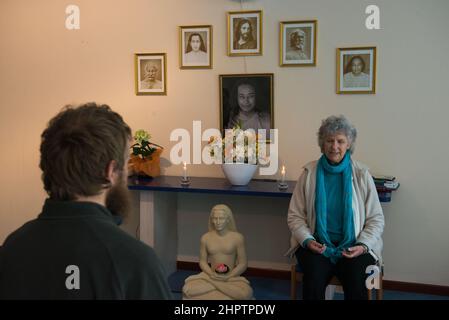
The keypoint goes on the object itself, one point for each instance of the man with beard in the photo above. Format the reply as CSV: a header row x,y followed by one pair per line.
x,y
74,249
151,73
295,51
244,38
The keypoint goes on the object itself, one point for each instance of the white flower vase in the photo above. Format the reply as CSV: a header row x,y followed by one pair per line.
x,y
239,174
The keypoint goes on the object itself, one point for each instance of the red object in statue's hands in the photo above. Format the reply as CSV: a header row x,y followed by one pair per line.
x,y
221,268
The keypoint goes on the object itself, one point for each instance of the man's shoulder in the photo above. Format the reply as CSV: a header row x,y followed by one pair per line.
x,y
133,256
21,231
119,237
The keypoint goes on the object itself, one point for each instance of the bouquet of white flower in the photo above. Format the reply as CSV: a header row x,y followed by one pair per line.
x,y
238,146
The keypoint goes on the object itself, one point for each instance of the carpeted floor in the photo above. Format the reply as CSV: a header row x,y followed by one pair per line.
x,y
276,289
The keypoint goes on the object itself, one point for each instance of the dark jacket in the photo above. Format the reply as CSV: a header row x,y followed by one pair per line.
x,y
111,263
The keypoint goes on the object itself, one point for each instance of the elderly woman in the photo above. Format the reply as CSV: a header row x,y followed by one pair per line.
x,y
335,216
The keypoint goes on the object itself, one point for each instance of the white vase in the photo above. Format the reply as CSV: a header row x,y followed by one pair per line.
x,y
239,174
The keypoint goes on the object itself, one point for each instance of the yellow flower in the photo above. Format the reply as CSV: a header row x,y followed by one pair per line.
x,y
141,135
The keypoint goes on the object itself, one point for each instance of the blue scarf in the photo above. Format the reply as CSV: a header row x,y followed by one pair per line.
x,y
344,167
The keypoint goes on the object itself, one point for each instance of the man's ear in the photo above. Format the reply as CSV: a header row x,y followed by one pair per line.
x,y
111,172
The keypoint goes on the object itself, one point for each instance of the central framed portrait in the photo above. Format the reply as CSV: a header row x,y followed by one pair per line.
x,y
244,33
246,100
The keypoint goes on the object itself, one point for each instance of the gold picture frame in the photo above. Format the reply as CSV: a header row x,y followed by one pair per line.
x,y
356,70
257,85
297,43
195,47
150,71
249,42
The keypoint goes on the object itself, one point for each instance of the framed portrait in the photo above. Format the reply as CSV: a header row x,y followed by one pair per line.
x,y
247,100
150,73
298,43
195,47
244,33
356,70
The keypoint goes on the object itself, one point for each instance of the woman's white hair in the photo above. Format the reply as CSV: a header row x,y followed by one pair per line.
x,y
334,125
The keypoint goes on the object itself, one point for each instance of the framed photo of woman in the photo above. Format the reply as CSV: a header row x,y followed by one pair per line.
x,y
195,47
150,73
246,100
244,33
298,43
356,70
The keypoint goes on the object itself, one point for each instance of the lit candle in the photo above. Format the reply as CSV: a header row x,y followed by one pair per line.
x,y
283,174
185,171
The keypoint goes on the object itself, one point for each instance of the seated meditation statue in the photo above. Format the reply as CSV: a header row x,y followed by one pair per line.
x,y
224,248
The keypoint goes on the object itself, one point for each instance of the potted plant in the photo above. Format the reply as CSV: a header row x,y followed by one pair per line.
x,y
238,154
145,156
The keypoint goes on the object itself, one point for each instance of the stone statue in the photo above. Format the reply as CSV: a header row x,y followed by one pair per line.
x,y
224,248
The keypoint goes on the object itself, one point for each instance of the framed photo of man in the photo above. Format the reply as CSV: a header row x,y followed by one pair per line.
x,y
244,33
150,73
356,70
246,100
298,43
195,45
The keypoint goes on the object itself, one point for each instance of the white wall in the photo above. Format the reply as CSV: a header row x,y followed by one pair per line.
x,y
402,128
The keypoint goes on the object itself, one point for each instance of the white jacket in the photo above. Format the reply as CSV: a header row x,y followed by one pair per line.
x,y
368,216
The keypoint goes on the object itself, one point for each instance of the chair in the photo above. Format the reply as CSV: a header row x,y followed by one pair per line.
x,y
297,274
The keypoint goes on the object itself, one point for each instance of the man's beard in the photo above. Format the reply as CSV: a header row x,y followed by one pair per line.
x,y
118,199
245,36
299,46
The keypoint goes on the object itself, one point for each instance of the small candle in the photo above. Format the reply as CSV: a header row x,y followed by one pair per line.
x,y
283,174
185,171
